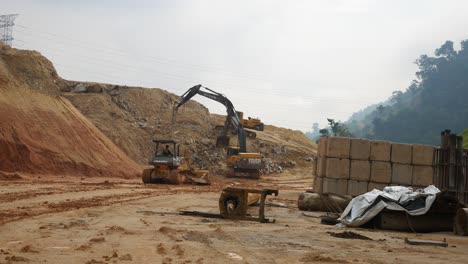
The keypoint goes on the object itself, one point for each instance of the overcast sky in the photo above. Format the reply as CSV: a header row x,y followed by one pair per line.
x,y
291,63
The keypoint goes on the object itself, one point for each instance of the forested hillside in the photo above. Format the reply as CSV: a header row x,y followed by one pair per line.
x,y
435,100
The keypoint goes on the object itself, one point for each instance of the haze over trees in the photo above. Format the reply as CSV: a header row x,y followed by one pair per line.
x,y
434,101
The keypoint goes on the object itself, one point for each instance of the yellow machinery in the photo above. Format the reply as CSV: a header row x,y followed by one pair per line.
x,y
244,164
240,162
234,204
169,167
252,123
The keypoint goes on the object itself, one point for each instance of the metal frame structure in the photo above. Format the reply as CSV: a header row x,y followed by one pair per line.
x,y
451,166
6,28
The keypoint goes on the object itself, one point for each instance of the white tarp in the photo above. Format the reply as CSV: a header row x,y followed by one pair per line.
x,y
398,198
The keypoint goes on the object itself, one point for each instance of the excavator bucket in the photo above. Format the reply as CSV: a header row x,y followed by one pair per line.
x,y
222,141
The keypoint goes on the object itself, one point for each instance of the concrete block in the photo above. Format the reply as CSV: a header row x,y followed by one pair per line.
x,y
380,150
337,168
423,155
360,149
422,176
322,147
314,167
401,153
335,186
338,147
318,184
360,170
356,188
381,172
375,185
321,166
402,174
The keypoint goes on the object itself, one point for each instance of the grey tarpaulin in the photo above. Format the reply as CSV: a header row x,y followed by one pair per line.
x,y
398,198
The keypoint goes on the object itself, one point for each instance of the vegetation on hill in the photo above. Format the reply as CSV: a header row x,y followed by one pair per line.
x,y
435,100
464,134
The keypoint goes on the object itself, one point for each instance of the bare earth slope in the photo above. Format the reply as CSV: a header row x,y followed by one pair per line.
x,y
132,116
46,134
49,126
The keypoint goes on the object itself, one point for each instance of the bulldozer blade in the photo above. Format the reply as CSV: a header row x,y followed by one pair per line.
x,y
197,177
199,181
222,141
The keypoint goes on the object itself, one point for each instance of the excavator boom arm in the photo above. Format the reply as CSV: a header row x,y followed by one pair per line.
x,y
231,119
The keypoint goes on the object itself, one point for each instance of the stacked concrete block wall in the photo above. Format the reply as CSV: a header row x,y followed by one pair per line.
x,y
349,166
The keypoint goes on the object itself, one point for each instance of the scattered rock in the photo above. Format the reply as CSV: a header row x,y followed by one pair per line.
x,y
83,247
28,249
79,88
16,259
93,261
161,249
127,257
97,239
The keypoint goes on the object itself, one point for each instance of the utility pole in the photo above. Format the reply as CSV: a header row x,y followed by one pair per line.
x,y
6,28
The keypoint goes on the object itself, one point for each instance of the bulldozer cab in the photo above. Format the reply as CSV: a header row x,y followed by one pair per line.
x,y
166,152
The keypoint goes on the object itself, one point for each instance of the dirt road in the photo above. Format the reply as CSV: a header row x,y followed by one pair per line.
x,y
111,221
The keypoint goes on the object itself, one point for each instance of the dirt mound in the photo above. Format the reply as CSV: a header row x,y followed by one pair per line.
x,y
282,145
132,116
47,134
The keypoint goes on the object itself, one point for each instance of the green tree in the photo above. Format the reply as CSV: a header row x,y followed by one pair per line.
x,y
435,101
336,129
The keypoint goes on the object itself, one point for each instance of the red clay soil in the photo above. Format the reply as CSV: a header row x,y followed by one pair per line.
x,y
46,134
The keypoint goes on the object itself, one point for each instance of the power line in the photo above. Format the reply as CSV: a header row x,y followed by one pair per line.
x,y
156,59
125,67
118,52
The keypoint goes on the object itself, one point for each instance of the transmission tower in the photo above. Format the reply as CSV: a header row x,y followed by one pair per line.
x,y
6,28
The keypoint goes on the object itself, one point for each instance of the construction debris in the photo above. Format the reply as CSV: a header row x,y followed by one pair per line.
x,y
423,242
234,202
365,207
322,202
349,235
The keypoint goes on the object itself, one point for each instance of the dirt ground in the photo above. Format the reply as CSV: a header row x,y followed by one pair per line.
x,y
99,220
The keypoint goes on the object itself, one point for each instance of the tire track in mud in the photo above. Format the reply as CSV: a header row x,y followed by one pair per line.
x,y
15,214
21,195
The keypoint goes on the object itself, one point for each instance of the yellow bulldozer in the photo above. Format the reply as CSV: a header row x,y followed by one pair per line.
x,y
169,167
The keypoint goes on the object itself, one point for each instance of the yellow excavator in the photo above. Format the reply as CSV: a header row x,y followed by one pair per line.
x,y
240,162
252,123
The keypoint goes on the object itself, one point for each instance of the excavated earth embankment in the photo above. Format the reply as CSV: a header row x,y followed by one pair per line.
x,y
53,126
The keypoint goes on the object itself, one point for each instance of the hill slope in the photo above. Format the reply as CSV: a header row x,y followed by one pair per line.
x,y
132,116
57,126
435,101
47,134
